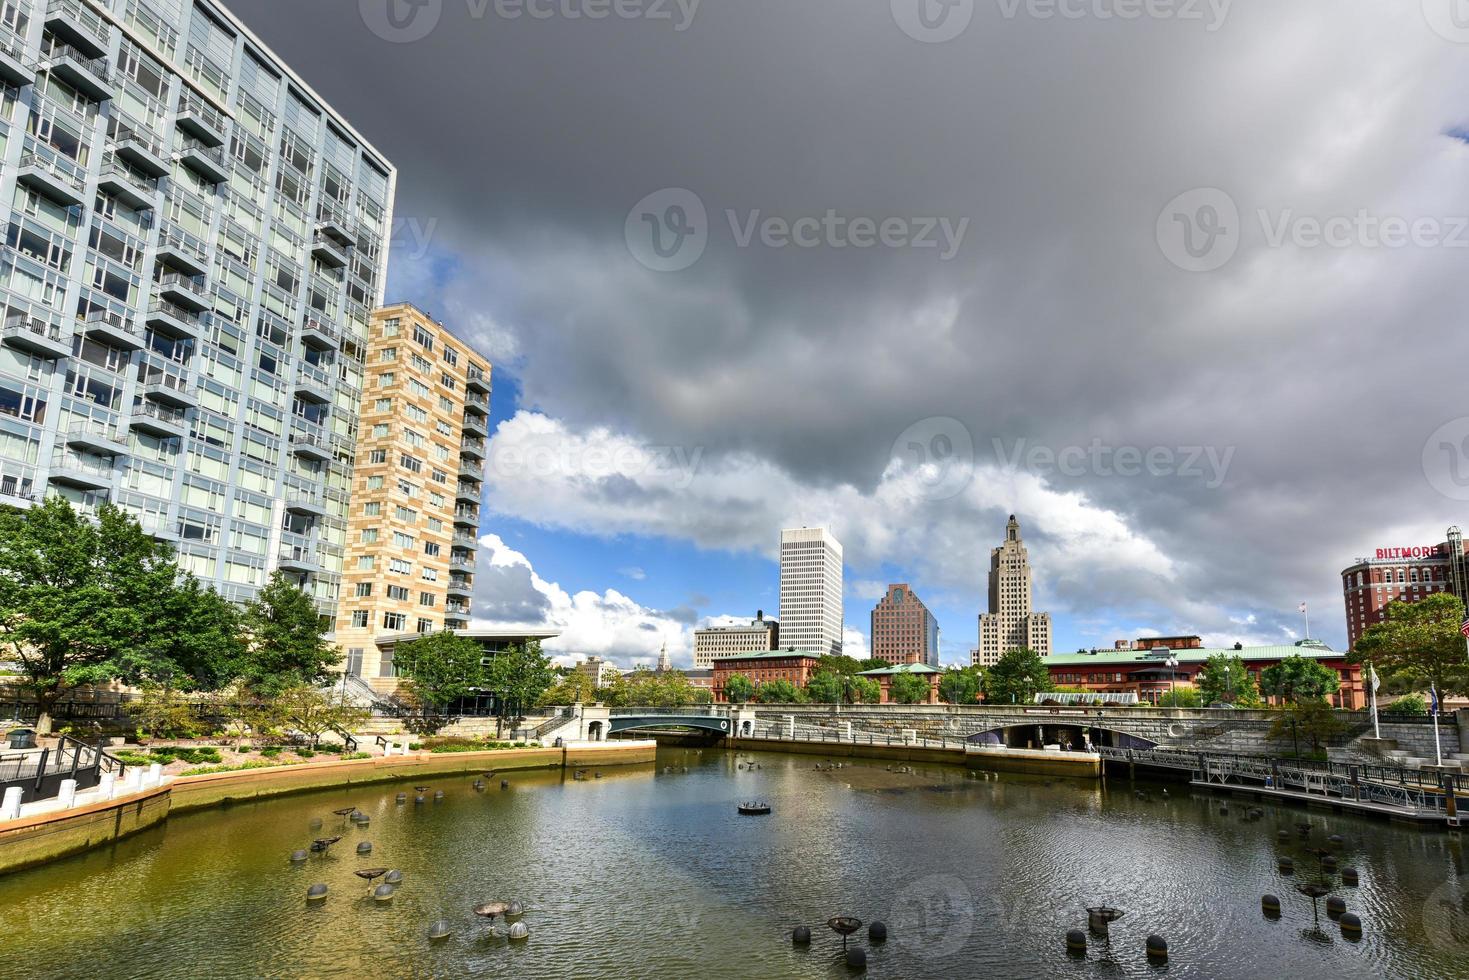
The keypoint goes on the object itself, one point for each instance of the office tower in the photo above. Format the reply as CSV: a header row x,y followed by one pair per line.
x,y
194,243
711,642
1010,624
904,631
414,522
810,590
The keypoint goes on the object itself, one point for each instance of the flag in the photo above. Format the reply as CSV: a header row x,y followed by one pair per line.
x,y
1433,696
1464,628
1372,676
1303,609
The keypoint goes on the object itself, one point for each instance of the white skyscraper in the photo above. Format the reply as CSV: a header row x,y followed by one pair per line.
x,y
810,590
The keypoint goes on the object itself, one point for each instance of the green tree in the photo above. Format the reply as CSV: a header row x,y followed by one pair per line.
x,y
1408,704
1310,719
738,689
313,711
1180,697
574,687
1298,678
441,668
872,663
840,664
1224,678
518,676
77,597
866,690
285,643
961,685
827,687
164,712
1421,640
1016,678
778,692
908,689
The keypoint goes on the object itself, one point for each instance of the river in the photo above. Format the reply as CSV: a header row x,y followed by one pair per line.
x,y
649,872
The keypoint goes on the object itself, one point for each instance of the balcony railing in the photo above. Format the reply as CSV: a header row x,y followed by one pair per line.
x,y
65,173
462,564
187,284
29,323
169,416
79,22
74,463
174,238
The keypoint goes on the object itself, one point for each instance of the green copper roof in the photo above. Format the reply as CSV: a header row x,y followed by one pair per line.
x,y
1141,658
768,654
901,669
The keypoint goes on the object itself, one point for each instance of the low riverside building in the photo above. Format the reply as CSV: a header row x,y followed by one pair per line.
x,y
885,675
491,641
1147,674
790,664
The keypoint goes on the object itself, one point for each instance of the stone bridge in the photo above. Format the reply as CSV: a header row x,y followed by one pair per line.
x,y
1216,730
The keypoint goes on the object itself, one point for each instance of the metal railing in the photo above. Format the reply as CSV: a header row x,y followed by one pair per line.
x,y
68,174
82,16
32,324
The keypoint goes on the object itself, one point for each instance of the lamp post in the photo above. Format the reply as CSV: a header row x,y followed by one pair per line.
x,y
1172,663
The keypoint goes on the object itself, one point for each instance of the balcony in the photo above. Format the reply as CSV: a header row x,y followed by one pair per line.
x,y
97,438
12,59
137,192
476,402
306,502
207,161
159,420
477,380
88,75
170,389
298,559
332,221
158,526
81,471
461,587
62,182
174,320
472,448
185,291
475,425
313,384
79,25
311,447
201,121
140,151
466,541
113,329
471,471
467,516
461,564
34,335
468,492
183,252
320,333
456,609
328,251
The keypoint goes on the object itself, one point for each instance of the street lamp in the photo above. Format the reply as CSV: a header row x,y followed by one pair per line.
x,y
1172,663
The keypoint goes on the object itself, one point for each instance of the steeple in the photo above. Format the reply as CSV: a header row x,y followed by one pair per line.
x,y
1012,529
664,664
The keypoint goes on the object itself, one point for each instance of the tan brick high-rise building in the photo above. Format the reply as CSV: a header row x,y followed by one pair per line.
x,y
1010,624
413,522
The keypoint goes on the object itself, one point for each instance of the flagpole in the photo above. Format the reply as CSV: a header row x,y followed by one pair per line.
x,y
1437,747
1372,684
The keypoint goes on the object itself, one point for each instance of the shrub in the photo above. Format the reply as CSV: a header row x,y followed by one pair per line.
x,y
356,755
270,752
253,764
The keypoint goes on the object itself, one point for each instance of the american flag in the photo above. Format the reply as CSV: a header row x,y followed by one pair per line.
x,y
1464,628
1303,609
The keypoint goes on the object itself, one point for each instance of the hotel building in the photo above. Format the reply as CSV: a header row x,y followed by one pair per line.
x,y
194,242
1402,574
414,522
903,629
811,590
1010,624
727,641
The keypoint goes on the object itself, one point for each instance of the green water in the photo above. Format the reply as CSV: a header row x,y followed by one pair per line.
x,y
647,873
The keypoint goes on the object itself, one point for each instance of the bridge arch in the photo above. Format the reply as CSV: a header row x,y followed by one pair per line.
x,y
718,724
1073,734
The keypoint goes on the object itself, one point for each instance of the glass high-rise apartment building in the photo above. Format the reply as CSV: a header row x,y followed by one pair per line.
x,y
194,242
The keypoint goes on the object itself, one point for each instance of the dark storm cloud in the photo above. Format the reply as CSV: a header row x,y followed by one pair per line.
x,y
507,594
522,144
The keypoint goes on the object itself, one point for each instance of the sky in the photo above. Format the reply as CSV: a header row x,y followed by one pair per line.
x,y
1179,284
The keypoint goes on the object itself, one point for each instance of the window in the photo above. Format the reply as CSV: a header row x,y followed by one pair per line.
x,y
374,483
391,326
388,354
378,456
451,356
447,381
398,593
406,514
373,509
387,379
364,562
401,540
431,549
426,599
425,625
381,430
430,575
400,566
364,589
369,535
359,619
395,621
423,338
383,405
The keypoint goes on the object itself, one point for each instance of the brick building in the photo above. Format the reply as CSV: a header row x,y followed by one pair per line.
x,y
1405,573
885,675
904,631
792,665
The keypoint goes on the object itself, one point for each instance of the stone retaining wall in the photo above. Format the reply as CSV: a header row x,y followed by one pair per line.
x,y
36,840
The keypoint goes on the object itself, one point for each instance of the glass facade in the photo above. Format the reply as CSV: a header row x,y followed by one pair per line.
x,y
194,244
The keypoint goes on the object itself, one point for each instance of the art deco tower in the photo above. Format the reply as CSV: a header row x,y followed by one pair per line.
x,y
1010,624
